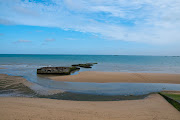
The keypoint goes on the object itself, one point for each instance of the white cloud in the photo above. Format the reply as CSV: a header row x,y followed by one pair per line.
x,y
150,21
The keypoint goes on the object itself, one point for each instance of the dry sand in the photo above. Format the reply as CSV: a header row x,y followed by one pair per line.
x,y
106,77
152,108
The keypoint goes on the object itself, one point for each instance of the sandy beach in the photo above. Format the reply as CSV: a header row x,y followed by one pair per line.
x,y
90,60
108,77
152,108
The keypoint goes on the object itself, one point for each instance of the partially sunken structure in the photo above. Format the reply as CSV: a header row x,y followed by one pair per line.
x,y
57,70
87,65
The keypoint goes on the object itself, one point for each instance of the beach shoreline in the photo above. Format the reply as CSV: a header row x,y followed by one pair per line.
x,y
119,77
153,107
19,86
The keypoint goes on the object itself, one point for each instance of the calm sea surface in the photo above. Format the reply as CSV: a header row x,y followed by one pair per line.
x,y
26,65
121,63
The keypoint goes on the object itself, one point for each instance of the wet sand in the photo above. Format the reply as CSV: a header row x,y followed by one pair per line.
x,y
18,85
110,77
2,68
154,107
7,81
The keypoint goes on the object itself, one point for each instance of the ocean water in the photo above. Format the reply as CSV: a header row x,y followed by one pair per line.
x,y
26,65
121,63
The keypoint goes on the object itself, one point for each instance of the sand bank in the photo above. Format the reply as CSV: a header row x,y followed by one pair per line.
x,y
106,77
152,108
18,84
7,80
2,68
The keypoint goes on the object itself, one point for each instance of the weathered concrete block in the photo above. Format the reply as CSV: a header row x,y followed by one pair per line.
x,y
87,65
57,70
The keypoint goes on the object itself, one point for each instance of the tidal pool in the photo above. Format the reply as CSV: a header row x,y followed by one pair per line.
x,y
44,85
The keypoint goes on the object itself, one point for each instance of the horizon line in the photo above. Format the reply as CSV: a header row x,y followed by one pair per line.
x,y
91,54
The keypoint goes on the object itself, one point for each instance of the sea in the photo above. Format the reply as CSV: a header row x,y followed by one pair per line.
x,y
25,65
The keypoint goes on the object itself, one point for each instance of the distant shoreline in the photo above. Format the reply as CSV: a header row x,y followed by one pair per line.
x,y
113,77
100,55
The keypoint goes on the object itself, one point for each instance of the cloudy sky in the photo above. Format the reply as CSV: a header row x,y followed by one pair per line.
x,y
127,27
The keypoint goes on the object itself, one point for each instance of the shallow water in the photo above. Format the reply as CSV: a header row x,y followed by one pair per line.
x,y
26,65
121,63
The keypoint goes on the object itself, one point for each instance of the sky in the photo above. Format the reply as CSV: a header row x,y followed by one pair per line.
x,y
98,27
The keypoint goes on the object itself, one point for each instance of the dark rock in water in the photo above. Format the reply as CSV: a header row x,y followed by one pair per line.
x,y
87,65
90,64
57,70
75,65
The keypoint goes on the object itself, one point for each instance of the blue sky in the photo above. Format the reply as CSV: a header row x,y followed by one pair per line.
x,y
132,27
